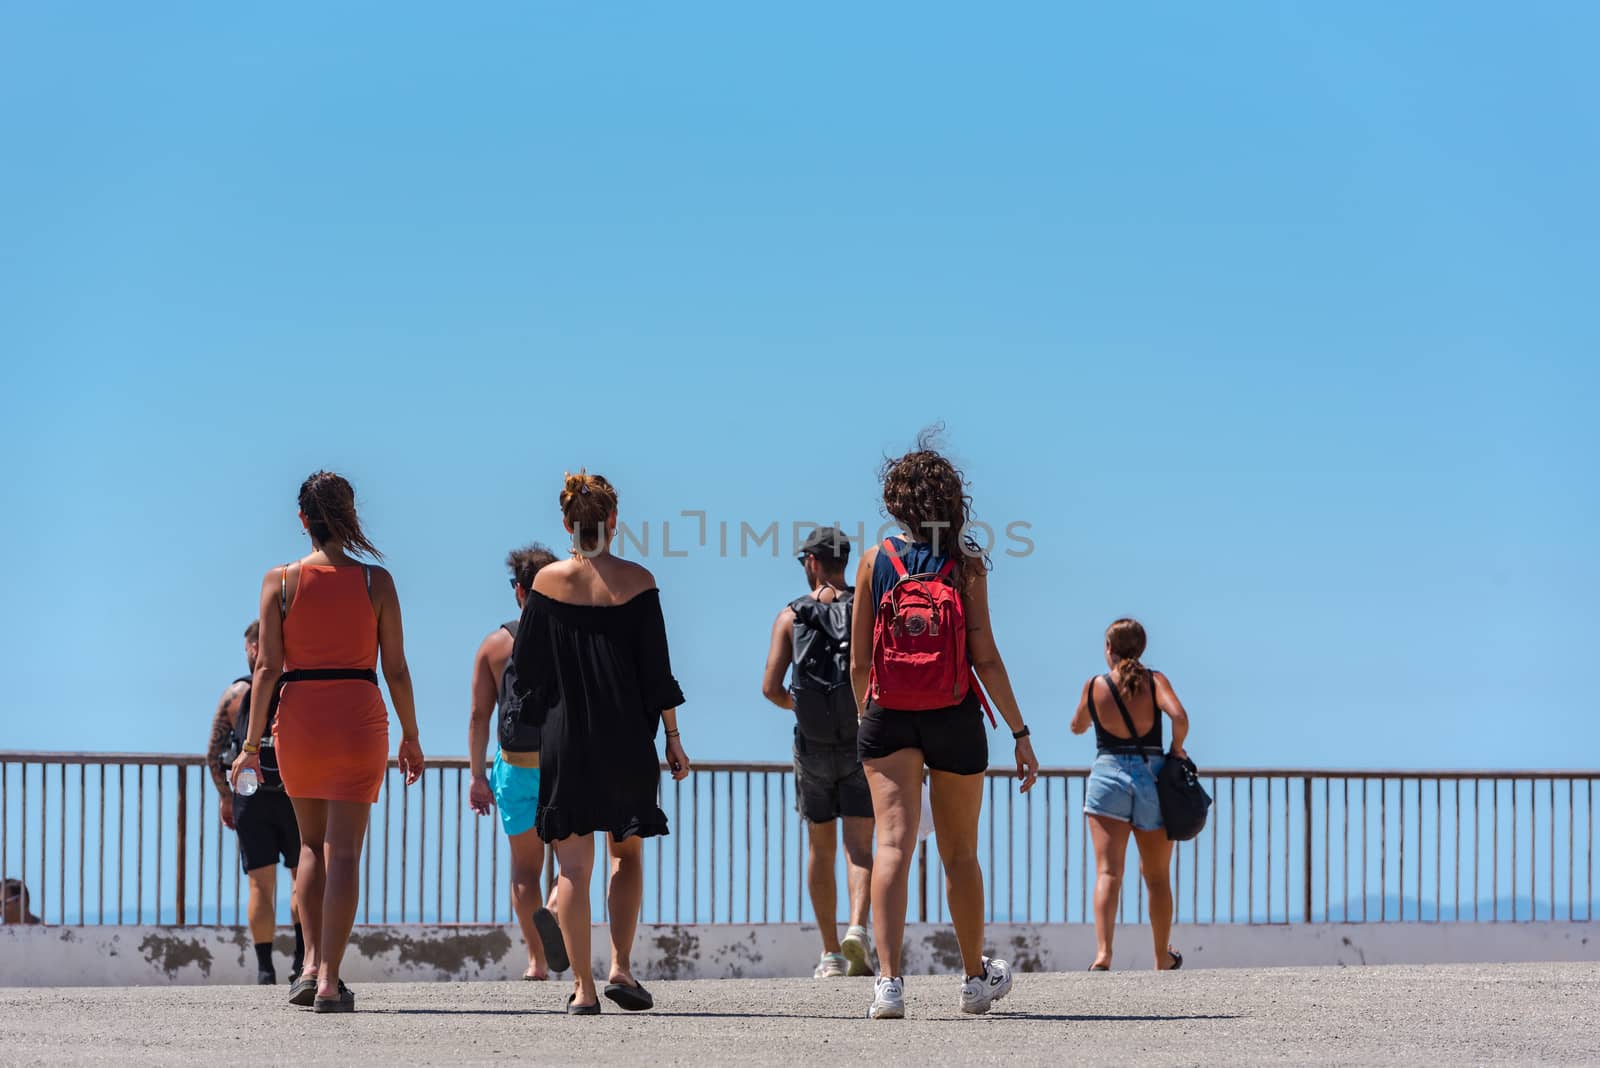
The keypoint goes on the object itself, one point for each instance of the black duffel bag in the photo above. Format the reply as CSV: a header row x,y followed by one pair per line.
x,y
1184,802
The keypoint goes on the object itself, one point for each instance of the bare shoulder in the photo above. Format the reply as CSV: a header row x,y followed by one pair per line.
x,y
382,580
630,579
498,640
554,577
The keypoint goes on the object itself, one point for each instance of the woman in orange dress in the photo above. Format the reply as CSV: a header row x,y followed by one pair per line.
x,y
324,621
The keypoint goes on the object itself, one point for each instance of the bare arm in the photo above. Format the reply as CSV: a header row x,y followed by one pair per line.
x,y
863,614
1080,718
396,672
495,649
269,657
779,655
1167,698
221,727
984,653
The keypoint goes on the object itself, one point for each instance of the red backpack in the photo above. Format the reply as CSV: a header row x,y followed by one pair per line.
x,y
919,642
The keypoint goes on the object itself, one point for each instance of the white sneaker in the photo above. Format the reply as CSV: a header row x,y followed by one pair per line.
x,y
980,993
857,950
888,1000
831,966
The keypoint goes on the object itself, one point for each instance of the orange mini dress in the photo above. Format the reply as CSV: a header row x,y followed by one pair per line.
x,y
331,735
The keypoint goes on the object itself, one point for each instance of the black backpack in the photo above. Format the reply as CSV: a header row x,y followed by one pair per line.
x,y
819,681
270,779
517,734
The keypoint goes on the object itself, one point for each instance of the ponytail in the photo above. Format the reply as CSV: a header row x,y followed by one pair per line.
x,y
1125,641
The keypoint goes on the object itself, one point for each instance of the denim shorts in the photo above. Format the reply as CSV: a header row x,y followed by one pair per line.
x,y
1123,787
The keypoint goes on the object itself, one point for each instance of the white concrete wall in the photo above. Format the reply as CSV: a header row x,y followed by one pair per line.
x,y
124,956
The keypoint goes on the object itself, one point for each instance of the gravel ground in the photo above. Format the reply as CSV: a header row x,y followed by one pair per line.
x,y
1398,1015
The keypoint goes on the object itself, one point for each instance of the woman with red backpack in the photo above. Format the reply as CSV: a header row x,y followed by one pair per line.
x,y
920,645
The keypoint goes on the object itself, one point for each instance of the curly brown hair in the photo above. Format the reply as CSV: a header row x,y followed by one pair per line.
x,y
927,495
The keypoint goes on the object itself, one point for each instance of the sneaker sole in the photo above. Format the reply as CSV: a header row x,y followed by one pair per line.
x,y
855,952
888,1012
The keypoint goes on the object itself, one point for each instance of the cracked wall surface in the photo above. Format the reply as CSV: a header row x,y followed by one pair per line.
x,y
125,956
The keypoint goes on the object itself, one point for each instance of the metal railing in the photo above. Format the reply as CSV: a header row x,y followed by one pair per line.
x,y
136,838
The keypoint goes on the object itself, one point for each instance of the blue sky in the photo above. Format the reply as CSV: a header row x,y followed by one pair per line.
x,y
1276,324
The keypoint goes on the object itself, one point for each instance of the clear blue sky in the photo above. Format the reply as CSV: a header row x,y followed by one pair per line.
x,y
1276,323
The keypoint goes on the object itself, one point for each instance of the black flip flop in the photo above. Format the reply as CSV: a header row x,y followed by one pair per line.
x,y
555,947
581,1010
1177,959
303,991
535,978
1099,967
345,1002
634,998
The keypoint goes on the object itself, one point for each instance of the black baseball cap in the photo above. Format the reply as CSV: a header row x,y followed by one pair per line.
x,y
826,543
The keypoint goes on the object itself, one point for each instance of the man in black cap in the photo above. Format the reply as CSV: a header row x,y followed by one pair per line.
x,y
812,637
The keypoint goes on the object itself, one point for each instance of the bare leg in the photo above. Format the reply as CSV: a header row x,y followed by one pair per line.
x,y
311,877
896,784
821,881
341,852
1155,858
263,906
957,800
1111,857
527,861
624,899
858,864
575,855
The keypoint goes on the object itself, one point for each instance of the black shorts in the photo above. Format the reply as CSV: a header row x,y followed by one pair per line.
x,y
952,739
829,783
267,830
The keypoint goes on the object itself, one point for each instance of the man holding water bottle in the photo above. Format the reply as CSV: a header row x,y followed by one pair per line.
x,y
262,816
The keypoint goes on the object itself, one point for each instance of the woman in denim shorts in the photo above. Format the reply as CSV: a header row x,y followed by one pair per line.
x,y
1121,793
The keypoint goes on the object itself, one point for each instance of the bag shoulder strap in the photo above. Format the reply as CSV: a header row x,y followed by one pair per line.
x,y
894,557
283,591
1133,732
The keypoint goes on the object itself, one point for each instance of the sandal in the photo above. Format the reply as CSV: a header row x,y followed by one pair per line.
x,y
1099,967
345,1002
555,947
634,998
303,991
581,1010
1177,959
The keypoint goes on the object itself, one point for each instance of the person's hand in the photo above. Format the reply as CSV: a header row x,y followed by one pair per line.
x,y
677,760
1027,764
225,811
410,759
242,761
479,797
1178,751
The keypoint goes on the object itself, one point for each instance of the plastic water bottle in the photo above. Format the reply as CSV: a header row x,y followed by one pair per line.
x,y
247,783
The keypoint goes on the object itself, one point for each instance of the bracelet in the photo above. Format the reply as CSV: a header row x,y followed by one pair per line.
x,y
672,734
251,749
1023,733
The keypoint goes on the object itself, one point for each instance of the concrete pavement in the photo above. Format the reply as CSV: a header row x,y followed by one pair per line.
x,y
1382,1015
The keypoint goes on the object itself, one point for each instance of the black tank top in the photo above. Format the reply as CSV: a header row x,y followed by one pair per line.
x,y
1106,742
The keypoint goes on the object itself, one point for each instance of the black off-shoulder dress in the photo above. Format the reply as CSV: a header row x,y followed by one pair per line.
x,y
599,677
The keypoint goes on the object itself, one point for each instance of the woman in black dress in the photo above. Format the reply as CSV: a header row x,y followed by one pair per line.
x,y
591,659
